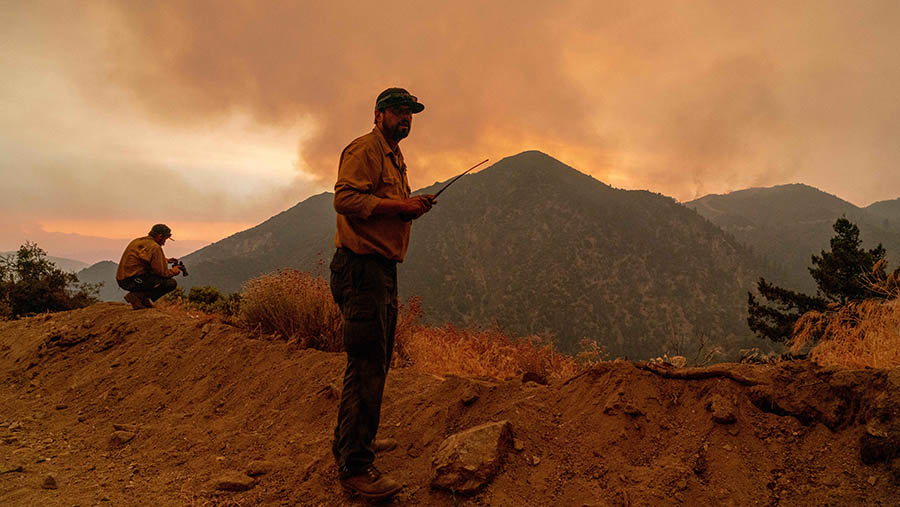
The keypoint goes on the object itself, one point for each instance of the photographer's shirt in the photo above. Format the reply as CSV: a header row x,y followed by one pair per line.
x,y
368,172
143,255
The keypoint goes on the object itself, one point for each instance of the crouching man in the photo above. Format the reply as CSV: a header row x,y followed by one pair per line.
x,y
144,270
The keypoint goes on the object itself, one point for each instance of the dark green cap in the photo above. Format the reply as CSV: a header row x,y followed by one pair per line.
x,y
398,97
161,230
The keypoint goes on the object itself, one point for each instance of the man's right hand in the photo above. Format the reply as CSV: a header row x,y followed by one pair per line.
x,y
414,207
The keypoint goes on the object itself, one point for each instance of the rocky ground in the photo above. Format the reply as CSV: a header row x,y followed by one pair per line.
x,y
109,406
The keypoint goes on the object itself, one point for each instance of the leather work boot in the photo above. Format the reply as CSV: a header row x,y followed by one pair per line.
x,y
384,445
371,485
135,300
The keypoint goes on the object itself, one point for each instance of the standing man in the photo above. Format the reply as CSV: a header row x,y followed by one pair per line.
x,y
374,212
144,270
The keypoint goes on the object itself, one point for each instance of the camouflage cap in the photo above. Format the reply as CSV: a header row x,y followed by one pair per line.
x,y
161,230
398,97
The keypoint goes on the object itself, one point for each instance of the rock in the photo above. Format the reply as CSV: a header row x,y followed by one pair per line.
x,y
467,461
722,409
131,428
233,481
259,467
678,361
538,378
121,437
518,445
62,406
49,482
469,396
880,442
9,470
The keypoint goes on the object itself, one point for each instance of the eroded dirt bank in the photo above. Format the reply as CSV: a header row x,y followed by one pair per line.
x,y
194,398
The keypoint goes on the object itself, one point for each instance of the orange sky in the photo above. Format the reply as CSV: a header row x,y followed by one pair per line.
x,y
213,116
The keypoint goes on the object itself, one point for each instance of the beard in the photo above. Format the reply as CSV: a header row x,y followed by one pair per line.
x,y
398,131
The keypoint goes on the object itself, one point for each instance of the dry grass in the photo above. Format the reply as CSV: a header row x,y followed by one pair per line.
x,y
857,335
477,353
294,305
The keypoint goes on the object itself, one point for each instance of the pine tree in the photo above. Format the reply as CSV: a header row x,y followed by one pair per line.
x,y
840,275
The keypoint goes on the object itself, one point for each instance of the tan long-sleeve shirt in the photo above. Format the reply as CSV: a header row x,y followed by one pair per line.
x,y
143,255
368,172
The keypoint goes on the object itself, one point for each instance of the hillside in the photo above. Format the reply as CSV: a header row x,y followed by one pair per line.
x,y
535,246
150,407
787,224
888,211
60,262
103,272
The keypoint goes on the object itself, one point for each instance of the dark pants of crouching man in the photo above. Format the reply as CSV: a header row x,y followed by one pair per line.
x,y
365,289
153,285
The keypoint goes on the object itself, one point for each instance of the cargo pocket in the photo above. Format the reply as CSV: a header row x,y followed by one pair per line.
x,y
362,328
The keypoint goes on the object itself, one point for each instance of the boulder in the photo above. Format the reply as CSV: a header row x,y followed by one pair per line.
x,y
467,461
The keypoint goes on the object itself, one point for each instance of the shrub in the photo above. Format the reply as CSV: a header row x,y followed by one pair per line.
x,y
481,353
293,305
206,299
31,284
857,334
296,305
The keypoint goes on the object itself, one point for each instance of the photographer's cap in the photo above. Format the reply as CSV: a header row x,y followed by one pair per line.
x,y
398,97
161,230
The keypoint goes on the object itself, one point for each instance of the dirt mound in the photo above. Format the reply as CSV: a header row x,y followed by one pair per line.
x,y
152,407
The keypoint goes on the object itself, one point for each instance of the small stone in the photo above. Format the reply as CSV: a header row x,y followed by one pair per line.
x,y
259,467
121,437
535,461
873,480
726,447
131,428
678,361
722,410
518,445
49,482
469,396
10,470
535,377
233,481
62,406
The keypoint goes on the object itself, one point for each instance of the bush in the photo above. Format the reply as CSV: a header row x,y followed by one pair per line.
x,y
481,353
31,284
858,334
206,299
294,305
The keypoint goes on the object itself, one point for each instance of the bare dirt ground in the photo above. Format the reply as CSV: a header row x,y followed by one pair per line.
x,y
148,407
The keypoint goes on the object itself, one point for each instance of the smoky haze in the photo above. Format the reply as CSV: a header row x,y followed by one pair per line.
x,y
680,97
223,113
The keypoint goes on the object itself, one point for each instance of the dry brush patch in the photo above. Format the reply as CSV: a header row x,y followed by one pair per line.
x,y
856,335
295,305
486,353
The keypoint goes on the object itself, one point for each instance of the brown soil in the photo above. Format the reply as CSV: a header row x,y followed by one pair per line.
x,y
195,399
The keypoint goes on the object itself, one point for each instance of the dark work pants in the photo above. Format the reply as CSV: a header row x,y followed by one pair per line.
x,y
149,284
365,289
